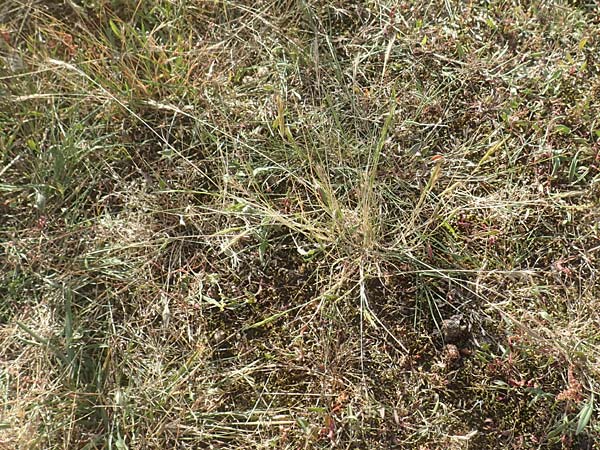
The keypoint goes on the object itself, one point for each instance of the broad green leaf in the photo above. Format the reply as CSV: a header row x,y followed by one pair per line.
x,y
585,415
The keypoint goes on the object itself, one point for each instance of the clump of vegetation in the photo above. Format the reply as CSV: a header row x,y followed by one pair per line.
x,y
299,224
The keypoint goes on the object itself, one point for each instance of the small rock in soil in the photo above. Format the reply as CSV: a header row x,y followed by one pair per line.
x,y
454,331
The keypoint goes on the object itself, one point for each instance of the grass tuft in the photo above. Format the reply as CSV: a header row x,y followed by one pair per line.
x,y
299,224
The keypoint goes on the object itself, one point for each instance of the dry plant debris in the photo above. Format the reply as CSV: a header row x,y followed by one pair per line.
x,y
299,224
